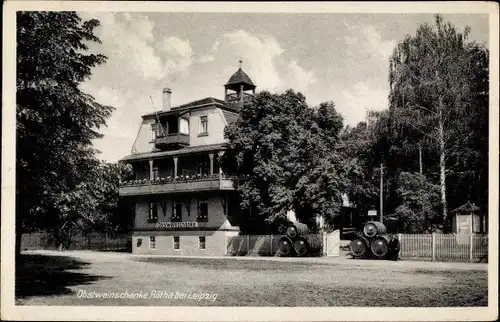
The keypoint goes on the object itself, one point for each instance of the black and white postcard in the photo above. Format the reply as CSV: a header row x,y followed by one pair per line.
x,y
235,161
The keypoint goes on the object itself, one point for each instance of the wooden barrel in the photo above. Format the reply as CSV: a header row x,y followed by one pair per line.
x,y
300,246
285,245
380,246
296,229
374,228
359,247
314,244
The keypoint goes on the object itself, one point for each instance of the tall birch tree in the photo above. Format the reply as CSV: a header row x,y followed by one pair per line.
x,y
431,91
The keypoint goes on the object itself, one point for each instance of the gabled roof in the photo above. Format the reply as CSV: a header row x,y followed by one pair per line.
x,y
240,78
230,116
467,207
203,101
181,109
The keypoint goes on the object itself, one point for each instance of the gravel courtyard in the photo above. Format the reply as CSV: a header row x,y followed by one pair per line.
x,y
105,278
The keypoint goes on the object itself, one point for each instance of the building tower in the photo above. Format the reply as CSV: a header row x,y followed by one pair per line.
x,y
239,89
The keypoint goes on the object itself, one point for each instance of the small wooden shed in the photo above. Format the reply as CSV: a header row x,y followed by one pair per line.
x,y
467,219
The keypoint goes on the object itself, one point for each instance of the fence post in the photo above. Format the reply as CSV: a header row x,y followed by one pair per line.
x,y
248,244
471,247
272,239
400,238
225,245
433,244
325,248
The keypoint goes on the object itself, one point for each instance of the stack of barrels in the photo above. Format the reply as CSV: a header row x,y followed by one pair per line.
x,y
374,242
298,241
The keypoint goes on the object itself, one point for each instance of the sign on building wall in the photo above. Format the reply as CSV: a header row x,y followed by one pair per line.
x,y
174,224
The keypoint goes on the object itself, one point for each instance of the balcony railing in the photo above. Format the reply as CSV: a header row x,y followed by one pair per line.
x,y
235,98
172,139
179,184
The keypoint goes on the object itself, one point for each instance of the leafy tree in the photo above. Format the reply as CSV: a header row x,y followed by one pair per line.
x,y
289,151
56,121
419,202
431,92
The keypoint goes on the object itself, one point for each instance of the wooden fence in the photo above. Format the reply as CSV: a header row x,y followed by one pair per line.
x,y
442,247
252,245
89,241
435,247
255,245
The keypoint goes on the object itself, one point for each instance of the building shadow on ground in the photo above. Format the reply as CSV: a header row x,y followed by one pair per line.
x,y
45,275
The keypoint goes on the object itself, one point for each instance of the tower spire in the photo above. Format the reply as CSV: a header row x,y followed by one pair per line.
x,y
238,86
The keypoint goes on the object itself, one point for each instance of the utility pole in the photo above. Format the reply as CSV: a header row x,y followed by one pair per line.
x,y
381,192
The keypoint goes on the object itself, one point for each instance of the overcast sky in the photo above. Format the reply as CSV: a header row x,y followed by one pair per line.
x,y
328,57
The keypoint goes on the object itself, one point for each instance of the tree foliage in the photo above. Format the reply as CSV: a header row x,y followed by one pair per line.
x,y
437,85
289,151
419,199
56,121
435,132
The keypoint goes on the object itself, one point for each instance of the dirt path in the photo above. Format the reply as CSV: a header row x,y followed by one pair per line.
x,y
344,260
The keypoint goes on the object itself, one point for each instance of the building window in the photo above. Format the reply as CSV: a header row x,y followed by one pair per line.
x,y
152,133
201,242
160,132
177,211
202,210
156,173
153,212
177,242
203,125
152,242
184,126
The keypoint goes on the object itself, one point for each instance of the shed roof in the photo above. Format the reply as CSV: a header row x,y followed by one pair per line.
x,y
467,207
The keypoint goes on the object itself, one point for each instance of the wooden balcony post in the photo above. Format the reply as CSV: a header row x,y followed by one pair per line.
x,y
211,156
151,170
175,167
220,154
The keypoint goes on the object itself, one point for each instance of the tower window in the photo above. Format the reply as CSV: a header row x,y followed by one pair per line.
x,y
177,243
152,242
204,125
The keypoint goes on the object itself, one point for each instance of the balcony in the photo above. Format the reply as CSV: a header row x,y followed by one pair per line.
x,y
172,139
178,184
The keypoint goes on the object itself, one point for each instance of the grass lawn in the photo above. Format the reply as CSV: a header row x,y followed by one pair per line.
x,y
58,279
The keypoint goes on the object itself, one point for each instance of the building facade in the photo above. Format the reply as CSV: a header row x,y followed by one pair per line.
x,y
185,201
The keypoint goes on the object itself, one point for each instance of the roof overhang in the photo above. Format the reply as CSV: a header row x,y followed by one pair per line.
x,y
166,154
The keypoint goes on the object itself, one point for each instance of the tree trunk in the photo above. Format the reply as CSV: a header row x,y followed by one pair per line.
x,y
442,166
420,158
